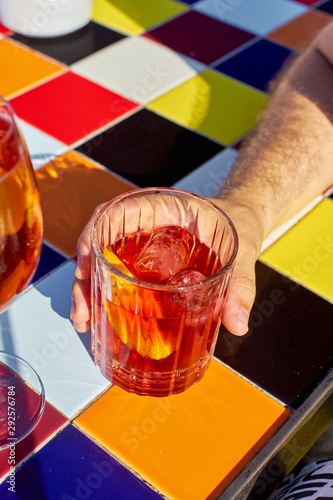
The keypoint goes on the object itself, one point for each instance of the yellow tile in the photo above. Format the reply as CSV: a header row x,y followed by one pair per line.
x,y
213,104
21,68
305,253
190,445
68,200
134,17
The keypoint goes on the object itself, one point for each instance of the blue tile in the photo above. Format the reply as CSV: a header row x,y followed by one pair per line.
x,y
257,64
49,260
257,16
72,467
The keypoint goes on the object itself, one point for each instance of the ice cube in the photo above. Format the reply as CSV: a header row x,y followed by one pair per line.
x,y
191,299
167,253
187,277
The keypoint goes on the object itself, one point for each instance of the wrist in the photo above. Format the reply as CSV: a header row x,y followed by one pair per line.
x,y
249,220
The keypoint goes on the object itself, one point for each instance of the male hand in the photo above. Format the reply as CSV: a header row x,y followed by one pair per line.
x,y
241,292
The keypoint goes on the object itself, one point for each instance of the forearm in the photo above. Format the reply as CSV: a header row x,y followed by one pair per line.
x,y
288,160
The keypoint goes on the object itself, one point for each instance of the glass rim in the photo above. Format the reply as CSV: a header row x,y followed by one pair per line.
x,y
12,128
157,286
41,390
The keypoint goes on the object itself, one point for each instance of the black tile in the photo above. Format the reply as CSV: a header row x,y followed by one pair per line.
x,y
256,65
289,346
73,47
150,150
326,7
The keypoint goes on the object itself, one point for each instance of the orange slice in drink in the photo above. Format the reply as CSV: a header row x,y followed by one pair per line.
x,y
135,319
12,205
113,259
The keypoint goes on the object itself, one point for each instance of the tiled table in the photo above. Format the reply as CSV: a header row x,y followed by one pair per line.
x,y
162,93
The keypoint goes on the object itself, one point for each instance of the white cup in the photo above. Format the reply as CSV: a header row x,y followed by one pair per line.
x,y
45,18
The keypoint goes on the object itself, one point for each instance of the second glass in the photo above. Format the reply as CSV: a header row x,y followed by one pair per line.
x,y
161,264
21,221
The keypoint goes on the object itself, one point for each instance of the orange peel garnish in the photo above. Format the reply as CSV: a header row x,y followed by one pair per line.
x,y
116,262
134,317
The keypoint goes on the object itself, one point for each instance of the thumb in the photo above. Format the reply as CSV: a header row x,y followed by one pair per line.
x,y
240,298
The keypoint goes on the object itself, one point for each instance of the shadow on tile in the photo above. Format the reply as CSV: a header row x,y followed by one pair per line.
x,y
68,199
73,47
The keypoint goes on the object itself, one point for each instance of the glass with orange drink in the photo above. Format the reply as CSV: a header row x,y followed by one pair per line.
x,y
20,211
161,264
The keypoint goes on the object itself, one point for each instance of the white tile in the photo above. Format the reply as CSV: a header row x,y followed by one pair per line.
x,y
257,16
207,179
37,328
42,147
136,68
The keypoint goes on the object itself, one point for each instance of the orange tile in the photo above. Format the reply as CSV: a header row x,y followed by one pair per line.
x,y
21,68
301,31
71,187
189,446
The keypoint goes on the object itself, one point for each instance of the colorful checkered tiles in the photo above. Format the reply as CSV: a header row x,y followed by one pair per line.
x,y
159,94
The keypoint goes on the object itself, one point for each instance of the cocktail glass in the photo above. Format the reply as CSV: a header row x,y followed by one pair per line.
x,y
22,396
156,312
22,399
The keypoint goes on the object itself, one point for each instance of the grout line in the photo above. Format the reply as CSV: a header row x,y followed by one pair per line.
x,y
106,169
106,127
117,458
254,384
166,21
90,402
186,127
148,29
49,438
295,280
35,51
236,51
35,85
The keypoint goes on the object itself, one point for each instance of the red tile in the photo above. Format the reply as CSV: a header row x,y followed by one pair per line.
x,y
50,422
308,2
70,107
4,30
200,37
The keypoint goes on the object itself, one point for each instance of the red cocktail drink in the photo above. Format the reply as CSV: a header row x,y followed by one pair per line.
x,y
158,291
